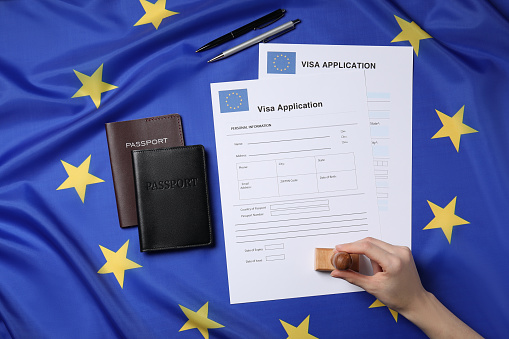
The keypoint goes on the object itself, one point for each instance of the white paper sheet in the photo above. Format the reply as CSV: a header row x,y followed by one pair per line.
x,y
388,71
295,173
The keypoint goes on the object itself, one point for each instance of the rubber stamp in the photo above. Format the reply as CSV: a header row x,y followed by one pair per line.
x,y
326,260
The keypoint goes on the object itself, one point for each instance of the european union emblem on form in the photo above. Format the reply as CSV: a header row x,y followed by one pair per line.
x,y
281,62
234,100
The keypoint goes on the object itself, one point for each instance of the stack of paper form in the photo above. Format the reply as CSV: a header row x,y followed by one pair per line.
x,y
315,153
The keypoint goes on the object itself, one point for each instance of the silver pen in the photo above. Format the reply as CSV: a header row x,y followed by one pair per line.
x,y
267,36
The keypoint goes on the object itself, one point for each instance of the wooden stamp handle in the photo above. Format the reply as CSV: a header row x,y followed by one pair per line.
x,y
341,260
326,260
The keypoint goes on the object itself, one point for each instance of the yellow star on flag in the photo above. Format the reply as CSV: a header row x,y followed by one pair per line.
x,y
378,303
117,263
410,32
93,86
299,332
199,320
445,218
453,127
79,177
154,13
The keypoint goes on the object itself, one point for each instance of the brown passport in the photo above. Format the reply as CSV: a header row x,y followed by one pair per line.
x,y
124,137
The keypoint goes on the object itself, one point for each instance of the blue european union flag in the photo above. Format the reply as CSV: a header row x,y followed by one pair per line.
x,y
234,100
55,98
281,62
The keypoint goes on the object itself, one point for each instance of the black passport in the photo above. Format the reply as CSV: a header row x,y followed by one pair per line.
x,y
172,198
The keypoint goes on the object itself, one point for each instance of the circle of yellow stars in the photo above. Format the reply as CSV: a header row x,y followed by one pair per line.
x,y
117,262
238,96
281,56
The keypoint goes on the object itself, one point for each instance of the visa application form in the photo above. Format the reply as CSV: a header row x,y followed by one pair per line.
x,y
388,71
295,174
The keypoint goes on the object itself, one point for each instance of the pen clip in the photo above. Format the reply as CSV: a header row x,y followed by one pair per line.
x,y
271,22
279,34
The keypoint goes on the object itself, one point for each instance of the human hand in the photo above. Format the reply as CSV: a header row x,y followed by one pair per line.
x,y
395,280
396,283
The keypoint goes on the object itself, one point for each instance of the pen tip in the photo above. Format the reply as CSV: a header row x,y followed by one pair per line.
x,y
220,56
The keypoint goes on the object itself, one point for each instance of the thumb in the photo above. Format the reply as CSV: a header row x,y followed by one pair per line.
x,y
353,277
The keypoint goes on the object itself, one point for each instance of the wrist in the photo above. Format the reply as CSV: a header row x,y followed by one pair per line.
x,y
435,320
421,306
